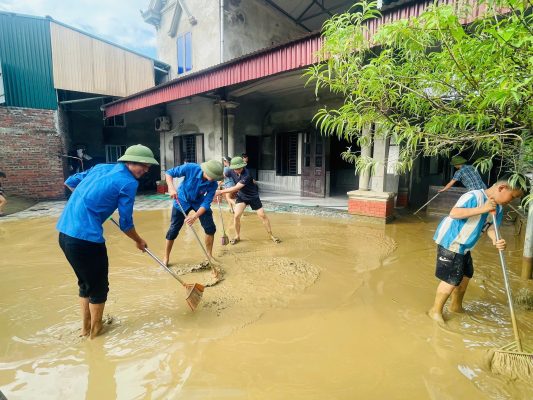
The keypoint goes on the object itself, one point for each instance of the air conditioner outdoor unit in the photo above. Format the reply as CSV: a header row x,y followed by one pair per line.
x,y
162,124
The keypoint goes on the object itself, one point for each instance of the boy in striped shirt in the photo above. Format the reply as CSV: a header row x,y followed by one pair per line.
x,y
458,233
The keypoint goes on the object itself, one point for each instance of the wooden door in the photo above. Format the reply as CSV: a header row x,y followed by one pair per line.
x,y
313,165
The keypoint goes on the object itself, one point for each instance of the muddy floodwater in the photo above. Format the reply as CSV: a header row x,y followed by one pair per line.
x,y
336,311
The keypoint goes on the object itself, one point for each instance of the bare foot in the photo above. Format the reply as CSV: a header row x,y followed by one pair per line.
x,y
84,333
165,261
456,309
435,316
235,240
275,239
97,329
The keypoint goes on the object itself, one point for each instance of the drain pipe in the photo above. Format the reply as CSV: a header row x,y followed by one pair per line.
x,y
221,17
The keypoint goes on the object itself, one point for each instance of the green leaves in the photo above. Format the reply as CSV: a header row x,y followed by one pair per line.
x,y
432,84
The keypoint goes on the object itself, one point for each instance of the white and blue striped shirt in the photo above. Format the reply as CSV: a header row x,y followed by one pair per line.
x,y
461,235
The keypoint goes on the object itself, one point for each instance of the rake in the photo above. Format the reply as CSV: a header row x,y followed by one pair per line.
x,y
512,360
195,291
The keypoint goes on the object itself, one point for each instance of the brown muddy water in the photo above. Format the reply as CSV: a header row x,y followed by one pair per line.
x,y
337,311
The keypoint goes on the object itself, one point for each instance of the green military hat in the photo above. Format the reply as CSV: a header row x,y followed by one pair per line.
x,y
237,162
458,160
139,154
213,169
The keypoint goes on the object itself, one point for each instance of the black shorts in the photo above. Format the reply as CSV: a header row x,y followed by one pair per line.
x,y
177,220
255,203
452,267
90,264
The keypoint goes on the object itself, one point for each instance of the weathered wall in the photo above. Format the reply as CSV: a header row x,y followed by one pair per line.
x,y
205,35
200,115
31,146
250,25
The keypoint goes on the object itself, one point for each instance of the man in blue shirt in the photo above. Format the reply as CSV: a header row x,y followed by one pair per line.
x,y
97,193
466,174
458,233
196,193
247,194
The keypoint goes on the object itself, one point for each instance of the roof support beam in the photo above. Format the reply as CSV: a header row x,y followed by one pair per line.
x,y
281,10
327,10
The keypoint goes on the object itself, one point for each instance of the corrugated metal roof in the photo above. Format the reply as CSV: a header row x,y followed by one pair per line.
x,y
26,57
296,54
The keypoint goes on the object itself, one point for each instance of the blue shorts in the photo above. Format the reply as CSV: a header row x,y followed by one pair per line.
x,y
178,219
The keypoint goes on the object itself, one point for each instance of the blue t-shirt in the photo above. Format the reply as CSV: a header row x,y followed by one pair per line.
x,y
195,191
469,177
461,235
98,192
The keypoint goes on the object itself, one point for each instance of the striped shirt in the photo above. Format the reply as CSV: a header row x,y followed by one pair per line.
x,y
469,177
461,235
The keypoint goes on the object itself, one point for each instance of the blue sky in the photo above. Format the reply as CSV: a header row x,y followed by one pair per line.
x,y
118,21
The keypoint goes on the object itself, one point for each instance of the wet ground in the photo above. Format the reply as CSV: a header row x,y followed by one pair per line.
x,y
337,311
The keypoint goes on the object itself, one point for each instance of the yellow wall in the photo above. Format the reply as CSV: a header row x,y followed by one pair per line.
x,y
84,64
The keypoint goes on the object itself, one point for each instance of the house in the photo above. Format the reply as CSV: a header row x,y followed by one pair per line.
x,y
54,78
236,86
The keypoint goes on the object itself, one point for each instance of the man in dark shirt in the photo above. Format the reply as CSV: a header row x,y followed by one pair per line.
x,y
247,194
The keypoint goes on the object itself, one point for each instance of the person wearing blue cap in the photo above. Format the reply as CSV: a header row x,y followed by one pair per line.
x,y
96,194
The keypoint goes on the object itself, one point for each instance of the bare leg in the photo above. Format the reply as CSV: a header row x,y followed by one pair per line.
x,y
97,311
3,202
168,249
239,209
266,223
209,244
85,316
457,296
443,293
230,201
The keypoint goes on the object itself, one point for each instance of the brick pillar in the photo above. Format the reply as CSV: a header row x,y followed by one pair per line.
x,y
378,206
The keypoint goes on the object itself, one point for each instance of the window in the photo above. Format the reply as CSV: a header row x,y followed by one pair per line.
x,y
184,53
113,152
189,148
287,153
118,121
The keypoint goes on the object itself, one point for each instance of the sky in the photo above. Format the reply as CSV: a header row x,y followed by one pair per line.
x,y
118,21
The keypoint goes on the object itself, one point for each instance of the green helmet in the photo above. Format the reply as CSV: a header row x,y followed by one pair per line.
x,y
458,160
213,169
237,162
140,154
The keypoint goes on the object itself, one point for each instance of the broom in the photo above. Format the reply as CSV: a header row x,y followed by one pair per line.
x,y
194,291
225,239
511,360
217,270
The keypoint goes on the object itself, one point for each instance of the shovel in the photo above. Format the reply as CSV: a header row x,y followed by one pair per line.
x,y
225,239
194,291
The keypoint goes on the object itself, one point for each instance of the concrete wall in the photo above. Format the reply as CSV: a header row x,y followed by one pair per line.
x,y
205,35
31,146
200,115
250,25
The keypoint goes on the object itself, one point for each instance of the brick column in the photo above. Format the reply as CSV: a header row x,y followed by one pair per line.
x,y
377,206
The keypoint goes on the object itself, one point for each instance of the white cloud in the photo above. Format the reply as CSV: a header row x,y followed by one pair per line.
x,y
118,21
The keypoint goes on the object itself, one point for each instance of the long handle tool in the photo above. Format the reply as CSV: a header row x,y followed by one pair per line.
x,y
429,201
511,360
225,239
194,291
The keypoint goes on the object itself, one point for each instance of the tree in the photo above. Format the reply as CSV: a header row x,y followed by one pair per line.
x,y
433,84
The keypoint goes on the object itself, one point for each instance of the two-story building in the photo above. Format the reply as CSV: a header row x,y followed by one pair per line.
x,y
236,86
